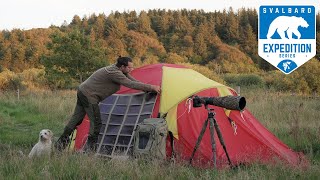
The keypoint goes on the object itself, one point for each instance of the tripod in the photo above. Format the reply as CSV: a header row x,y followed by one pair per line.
x,y
213,123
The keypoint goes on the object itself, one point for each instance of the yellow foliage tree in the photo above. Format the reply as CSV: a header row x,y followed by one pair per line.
x,y
205,71
8,80
174,58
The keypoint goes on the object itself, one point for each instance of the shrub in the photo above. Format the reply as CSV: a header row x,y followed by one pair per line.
x,y
31,79
9,80
205,71
310,73
295,82
232,60
244,80
174,58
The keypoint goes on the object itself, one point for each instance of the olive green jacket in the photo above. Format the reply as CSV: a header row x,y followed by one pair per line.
x,y
106,81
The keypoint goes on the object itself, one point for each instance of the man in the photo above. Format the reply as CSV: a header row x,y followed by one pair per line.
x,y
101,84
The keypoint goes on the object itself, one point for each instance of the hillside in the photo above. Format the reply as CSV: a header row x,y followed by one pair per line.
x,y
224,42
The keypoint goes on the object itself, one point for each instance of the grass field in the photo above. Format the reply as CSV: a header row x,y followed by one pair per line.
x,y
294,119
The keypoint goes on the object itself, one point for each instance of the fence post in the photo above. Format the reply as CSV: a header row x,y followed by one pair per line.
x,y
238,90
18,94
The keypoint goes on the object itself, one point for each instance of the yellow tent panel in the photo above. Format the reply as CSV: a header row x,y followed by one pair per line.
x,y
177,85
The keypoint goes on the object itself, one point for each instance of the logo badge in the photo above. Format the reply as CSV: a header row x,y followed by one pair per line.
x,y
287,35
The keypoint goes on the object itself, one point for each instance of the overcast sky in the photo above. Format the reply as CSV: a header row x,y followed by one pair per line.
x,y
27,14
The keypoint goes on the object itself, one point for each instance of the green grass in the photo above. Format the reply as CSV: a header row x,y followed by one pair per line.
x,y
294,119
19,119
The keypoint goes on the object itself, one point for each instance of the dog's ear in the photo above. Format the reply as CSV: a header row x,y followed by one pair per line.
x,y
50,132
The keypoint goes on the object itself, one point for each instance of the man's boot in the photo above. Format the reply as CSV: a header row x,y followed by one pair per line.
x,y
91,145
64,139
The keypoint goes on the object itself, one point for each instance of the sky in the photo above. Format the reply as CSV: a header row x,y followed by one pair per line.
x,y
28,14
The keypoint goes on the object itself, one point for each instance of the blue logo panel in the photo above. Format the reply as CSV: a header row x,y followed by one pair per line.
x,y
276,21
287,35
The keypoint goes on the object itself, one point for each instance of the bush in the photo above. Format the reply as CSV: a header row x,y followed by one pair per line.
x,y
205,71
293,82
31,79
232,60
310,73
244,80
174,58
305,80
9,80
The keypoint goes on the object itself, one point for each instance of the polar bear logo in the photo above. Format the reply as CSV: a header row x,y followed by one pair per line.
x,y
286,23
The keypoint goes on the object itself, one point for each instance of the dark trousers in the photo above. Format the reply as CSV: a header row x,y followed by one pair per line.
x,y
82,108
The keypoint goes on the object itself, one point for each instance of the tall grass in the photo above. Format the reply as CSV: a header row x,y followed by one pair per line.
x,y
19,119
294,119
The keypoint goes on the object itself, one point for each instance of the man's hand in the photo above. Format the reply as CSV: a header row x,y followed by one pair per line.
x,y
156,88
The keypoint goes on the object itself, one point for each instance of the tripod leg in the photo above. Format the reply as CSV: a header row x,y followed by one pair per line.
x,y
213,143
199,140
221,139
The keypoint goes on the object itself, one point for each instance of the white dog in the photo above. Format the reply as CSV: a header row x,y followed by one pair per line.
x,y
44,146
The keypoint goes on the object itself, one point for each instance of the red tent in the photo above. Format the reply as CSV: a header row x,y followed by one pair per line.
x,y
248,141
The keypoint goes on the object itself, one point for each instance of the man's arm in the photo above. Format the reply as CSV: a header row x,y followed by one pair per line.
x,y
122,79
131,78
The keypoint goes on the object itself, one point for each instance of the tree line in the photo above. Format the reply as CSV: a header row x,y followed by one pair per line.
x,y
224,41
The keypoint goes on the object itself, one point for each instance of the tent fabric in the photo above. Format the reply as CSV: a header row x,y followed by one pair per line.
x,y
179,84
81,133
252,142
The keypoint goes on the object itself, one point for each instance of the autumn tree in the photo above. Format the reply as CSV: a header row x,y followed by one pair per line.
x,y
116,25
73,58
144,25
76,22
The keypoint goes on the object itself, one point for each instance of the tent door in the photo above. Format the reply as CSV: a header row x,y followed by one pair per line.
x,y
120,115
